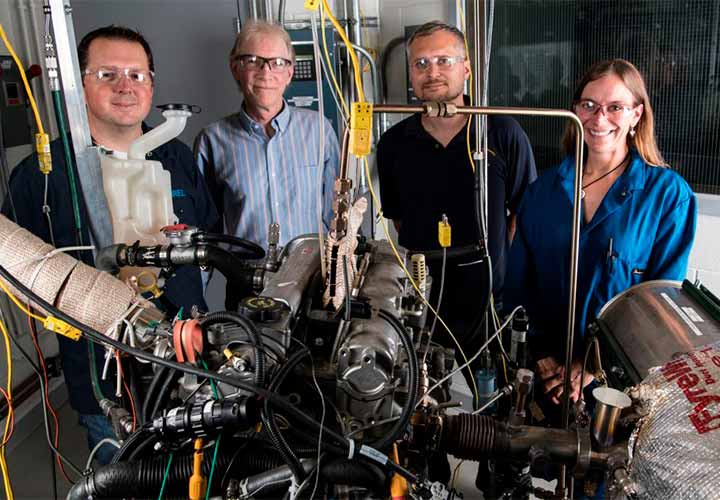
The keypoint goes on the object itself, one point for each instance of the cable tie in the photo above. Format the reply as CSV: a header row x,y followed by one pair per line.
x,y
351,452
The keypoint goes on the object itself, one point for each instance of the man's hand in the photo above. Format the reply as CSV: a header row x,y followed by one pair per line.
x,y
552,375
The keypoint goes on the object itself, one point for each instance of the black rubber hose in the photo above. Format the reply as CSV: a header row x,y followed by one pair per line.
x,y
231,266
275,399
356,473
163,395
253,250
252,333
468,436
150,394
414,383
274,477
143,478
271,428
138,440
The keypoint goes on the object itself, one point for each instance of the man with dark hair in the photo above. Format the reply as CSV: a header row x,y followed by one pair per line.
x,y
118,80
425,174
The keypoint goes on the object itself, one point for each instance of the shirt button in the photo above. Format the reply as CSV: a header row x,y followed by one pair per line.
x,y
624,193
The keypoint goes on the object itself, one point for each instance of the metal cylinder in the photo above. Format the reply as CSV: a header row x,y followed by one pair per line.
x,y
610,403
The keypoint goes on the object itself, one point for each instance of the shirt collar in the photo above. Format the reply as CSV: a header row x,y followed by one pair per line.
x,y
279,122
632,179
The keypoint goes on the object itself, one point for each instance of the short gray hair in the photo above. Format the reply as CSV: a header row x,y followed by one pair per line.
x,y
431,27
261,28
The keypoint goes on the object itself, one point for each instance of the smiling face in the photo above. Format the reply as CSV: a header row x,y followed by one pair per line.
x,y
436,83
119,106
263,88
606,131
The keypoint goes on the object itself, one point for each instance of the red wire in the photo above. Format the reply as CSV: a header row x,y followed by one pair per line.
x,y
11,416
33,336
132,403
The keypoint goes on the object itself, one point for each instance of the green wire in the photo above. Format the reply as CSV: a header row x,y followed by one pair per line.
x,y
167,473
217,441
97,391
68,161
212,468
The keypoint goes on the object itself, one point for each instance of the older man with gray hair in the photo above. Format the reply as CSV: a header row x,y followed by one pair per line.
x,y
262,163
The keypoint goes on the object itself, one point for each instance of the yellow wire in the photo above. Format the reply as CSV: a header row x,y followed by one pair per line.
x,y
329,64
412,281
351,51
19,65
372,190
19,304
3,462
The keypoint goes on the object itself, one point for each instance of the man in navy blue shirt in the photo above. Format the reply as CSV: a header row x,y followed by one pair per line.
x,y
117,68
425,173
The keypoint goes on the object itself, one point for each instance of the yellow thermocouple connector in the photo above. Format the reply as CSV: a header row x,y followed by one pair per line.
x,y
360,128
312,4
61,327
197,483
444,232
42,146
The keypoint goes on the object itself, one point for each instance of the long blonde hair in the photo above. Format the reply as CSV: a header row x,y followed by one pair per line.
x,y
644,141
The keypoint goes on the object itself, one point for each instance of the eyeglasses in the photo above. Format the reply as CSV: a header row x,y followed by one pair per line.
x,y
112,75
588,107
442,62
257,63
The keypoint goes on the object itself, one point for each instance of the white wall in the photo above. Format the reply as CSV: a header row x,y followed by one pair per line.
x,y
704,262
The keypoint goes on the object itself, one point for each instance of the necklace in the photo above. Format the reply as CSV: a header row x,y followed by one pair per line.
x,y
582,192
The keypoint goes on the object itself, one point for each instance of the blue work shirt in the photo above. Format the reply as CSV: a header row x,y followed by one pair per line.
x,y
256,180
643,230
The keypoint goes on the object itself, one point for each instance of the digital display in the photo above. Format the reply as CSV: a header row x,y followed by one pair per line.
x,y
304,57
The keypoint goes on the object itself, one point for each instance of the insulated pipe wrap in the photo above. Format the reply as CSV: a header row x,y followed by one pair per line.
x,y
19,251
93,297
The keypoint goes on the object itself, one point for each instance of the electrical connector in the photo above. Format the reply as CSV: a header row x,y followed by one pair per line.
x,y
197,483
360,128
444,232
61,327
42,147
312,4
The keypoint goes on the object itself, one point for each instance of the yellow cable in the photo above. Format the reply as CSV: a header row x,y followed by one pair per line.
x,y
19,304
412,281
330,66
41,130
8,419
351,51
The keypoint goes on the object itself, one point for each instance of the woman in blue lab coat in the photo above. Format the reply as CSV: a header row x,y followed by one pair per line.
x,y
638,220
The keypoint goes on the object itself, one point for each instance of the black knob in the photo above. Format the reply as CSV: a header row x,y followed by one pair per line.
x,y
261,309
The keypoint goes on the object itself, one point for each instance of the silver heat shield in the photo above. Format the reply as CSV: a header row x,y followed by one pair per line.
x,y
675,450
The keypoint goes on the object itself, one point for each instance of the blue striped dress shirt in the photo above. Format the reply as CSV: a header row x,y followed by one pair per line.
x,y
256,180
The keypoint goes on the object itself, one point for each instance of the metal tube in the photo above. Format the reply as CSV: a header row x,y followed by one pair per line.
x,y
356,34
577,207
281,13
377,94
69,66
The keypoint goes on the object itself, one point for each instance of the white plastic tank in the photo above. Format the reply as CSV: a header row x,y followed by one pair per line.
x,y
139,191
